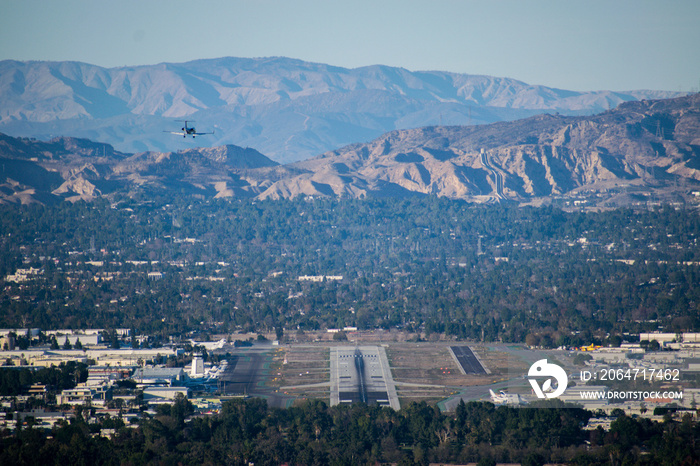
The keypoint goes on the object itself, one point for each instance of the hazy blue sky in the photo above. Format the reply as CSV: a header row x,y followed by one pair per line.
x,y
579,45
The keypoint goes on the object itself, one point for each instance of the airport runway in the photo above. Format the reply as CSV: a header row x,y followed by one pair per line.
x,y
242,373
362,374
467,360
245,375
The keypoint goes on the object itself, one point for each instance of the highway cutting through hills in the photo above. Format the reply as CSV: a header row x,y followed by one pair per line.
x,y
497,176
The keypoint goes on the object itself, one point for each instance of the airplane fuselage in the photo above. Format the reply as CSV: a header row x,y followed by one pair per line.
x,y
187,131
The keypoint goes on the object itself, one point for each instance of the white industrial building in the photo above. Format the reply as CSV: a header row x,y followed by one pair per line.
x,y
163,394
159,375
197,369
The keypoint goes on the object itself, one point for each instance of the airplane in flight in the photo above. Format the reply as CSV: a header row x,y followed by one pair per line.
x,y
503,398
187,131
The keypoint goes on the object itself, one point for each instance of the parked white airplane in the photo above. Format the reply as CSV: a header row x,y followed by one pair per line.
x,y
210,345
503,398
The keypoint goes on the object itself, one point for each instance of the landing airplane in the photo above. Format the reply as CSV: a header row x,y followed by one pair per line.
x,y
503,398
187,131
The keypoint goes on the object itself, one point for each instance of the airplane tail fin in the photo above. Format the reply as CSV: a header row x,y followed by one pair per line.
x,y
492,393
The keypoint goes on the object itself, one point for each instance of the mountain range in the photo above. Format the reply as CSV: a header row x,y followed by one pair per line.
x,y
288,109
638,151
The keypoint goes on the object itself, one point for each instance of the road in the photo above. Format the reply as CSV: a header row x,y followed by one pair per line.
x,y
498,177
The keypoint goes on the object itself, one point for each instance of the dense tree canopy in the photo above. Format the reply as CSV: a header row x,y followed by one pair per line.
x,y
247,431
429,264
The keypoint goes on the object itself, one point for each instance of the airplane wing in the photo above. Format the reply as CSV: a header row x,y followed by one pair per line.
x,y
497,399
179,133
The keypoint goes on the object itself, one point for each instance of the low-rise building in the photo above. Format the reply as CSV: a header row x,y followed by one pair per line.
x,y
7,342
85,395
665,338
130,356
111,372
159,375
24,275
163,394
30,332
310,278
85,339
57,360
38,391
44,419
